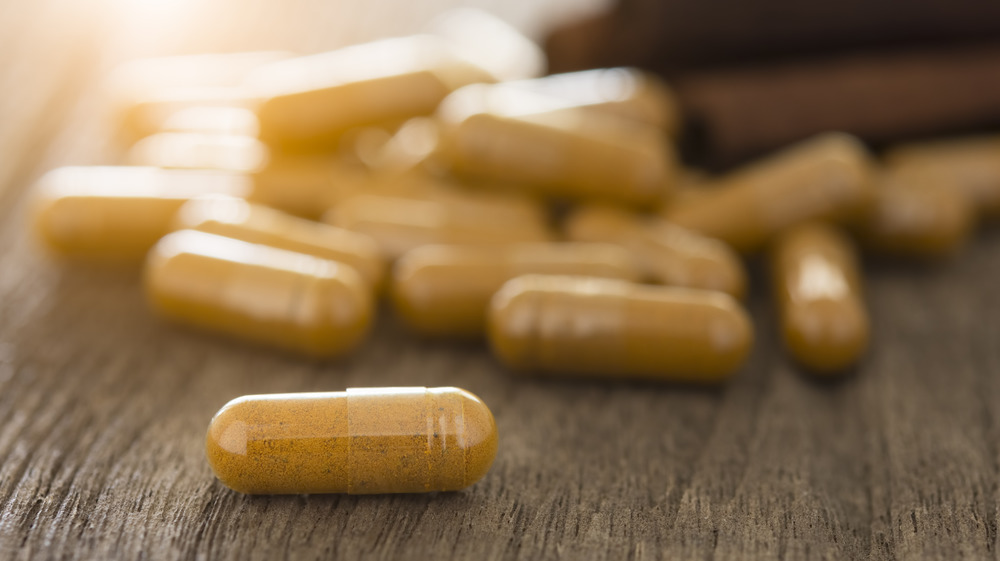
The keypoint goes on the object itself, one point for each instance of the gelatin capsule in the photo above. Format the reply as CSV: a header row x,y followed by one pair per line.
x,y
239,219
263,294
178,150
306,186
313,100
549,147
821,310
581,326
916,215
360,441
399,225
827,177
119,212
666,253
491,43
445,290
971,164
625,92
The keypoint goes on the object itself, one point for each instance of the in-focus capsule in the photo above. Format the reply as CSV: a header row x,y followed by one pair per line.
x,y
581,326
548,146
666,253
971,165
183,150
827,177
263,294
818,291
445,290
312,101
916,215
117,213
361,441
238,219
399,224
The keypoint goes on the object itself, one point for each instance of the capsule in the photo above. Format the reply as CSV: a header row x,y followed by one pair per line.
x,y
444,290
666,253
152,113
361,441
549,147
110,213
827,177
971,164
238,219
220,120
491,43
916,215
181,150
582,326
821,310
625,92
311,101
399,225
306,186
266,295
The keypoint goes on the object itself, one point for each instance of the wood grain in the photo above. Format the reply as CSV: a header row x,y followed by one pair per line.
x,y
103,409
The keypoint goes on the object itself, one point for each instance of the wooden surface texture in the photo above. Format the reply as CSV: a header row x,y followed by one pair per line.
x,y
103,408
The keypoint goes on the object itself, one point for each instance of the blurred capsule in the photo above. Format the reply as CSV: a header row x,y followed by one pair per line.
x,y
362,441
491,43
916,215
445,290
152,113
118,213
312,101
625,92
971,165
238,219
306,185
818,289
827,177
616,329
550,147
181,150
666,253
266,295
399,224
223,120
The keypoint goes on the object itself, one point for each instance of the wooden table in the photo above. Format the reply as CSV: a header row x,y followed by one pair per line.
x,y
103,408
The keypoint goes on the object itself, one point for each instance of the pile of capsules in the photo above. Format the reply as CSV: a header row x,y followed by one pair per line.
x,y
271,195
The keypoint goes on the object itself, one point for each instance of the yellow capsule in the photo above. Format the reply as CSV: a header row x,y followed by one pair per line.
x,y
362,441
180,150
581,326
827,177
445,290
916,215
625,92
550,147
820,304
971,164
306,185
667,254
238,219
118,213
313,100
263,294
221,120
399,224
491,43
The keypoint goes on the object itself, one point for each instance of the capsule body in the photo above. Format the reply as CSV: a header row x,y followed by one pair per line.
x,y
445,290
110,213
491,43
916,215
399,224
818,290
311,101
183,150
362,441
971,165
827,177
266,295
603,327
242,220
666,253
306,186
549,147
